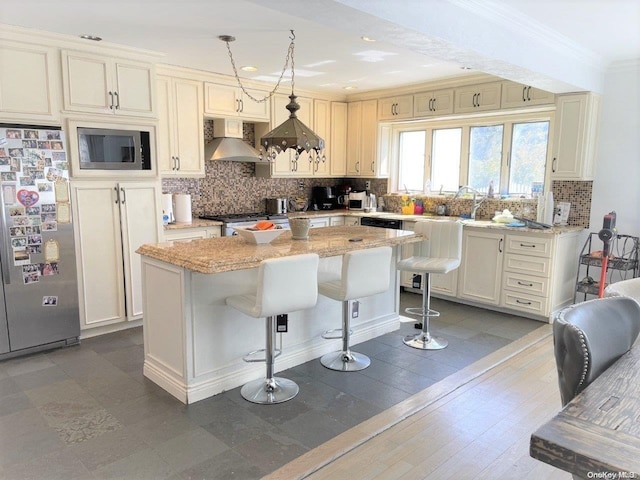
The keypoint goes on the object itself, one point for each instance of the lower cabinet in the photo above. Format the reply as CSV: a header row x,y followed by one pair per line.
x,y
112,220
480,276
191,233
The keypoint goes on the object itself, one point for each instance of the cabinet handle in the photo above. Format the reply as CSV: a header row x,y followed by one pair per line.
x,y
117,195
124,195
529,93
500,245
117,100
111,106
524,89
358,166
553,165
521,302
178,163
528,245
241,105
475,96
393,109
478,100
525,284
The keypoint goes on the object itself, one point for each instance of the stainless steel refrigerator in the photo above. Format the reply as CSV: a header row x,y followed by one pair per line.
x,y
39,297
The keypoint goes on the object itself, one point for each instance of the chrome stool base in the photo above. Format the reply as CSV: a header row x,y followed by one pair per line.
x,y
269,391
425,342
345,361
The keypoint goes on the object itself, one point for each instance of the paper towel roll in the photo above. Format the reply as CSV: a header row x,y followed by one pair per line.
x,y
167,207
182,207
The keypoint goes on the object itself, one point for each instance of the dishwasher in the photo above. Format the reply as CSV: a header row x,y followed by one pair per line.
x,y
381,222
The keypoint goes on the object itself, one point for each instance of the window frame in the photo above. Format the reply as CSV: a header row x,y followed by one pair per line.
x,y
465,123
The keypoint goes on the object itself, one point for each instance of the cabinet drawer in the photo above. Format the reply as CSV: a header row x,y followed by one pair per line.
x,y
527,264
525,303
526,284
539,247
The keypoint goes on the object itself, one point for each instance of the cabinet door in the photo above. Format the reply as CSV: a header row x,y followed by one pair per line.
x,y
28,82
354,135
184,234
250,109
87,83
445,284
165,157
281,165
481,271
320,222
396,108
304,165
99,253
516,95
477,98
322,128
429,104
575,137
369,138
188,127
134,88
221,99
337,156
140,209
336,221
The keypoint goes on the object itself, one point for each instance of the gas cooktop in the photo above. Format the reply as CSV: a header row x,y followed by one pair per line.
x,y
242,217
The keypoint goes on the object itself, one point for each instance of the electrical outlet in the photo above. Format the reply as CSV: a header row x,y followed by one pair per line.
x,y
367,185
355,310
300,185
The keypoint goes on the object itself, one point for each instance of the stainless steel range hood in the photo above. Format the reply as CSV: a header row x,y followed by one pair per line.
x,y
229,146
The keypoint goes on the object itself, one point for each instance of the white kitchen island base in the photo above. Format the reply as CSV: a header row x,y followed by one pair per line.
x,y
194,342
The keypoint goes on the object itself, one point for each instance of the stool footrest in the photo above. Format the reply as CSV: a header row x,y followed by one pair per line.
x,y
334,334
420,312
250,357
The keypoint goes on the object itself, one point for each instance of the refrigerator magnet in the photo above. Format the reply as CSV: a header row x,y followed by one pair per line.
x,y
49,301
61,190
9,194
51,251
63,213
21,257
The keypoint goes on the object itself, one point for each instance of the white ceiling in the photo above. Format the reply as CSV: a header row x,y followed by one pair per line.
x,y
559,45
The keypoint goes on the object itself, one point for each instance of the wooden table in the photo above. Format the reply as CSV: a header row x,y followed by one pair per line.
x,y
598,432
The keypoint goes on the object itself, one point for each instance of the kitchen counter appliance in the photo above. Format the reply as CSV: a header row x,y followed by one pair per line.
x,y
394,224
323,198
244,220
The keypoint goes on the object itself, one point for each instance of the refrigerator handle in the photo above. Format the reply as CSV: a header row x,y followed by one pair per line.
x,y
117,195
6,273
124,195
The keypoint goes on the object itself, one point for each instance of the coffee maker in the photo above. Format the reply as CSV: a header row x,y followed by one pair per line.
x,y
323,198
342,196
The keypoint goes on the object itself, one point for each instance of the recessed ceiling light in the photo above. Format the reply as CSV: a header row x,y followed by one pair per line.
x,y
91,37
350,87
249,68
367,39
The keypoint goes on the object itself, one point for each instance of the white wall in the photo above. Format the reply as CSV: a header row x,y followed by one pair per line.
x,y
617,181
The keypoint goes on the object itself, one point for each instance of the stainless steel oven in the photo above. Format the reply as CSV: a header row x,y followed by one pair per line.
x,y
245,219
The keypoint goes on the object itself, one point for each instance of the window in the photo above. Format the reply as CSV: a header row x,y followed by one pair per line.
x,y
411,160
445,158
508,152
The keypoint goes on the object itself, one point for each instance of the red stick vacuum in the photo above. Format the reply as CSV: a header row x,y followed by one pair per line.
x,y
607,234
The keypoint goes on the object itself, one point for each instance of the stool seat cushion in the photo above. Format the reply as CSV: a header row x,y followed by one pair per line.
x,y
428,265
364,273
285,285
624,288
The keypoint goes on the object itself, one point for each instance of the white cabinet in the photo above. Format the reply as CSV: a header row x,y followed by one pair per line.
x,y
97,84
317,222
481,270
575,137
395,108
28,82
112,220
362,139
227,100
477,98
184,234
351,221
322,128
336,221
338,149
517,95
180,127
428,104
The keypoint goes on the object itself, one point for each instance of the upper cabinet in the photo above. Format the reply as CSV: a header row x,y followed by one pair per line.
x,y
226,100
98,84
180,127
28,82
517,95
338,148
395,108
477,98
322,128
575,136
362,140
428,104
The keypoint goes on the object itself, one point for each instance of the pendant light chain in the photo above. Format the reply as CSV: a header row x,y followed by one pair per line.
x,y
284,69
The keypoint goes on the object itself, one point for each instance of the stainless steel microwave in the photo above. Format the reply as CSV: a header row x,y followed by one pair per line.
x,y
110,149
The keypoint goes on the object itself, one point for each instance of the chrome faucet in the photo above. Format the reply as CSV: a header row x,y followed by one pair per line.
x,y
476,204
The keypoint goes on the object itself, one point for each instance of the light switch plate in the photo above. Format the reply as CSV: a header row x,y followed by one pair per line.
x,y
355,309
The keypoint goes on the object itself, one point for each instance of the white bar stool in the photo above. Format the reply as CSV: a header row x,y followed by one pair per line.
x,y
285,285
439,252
364,273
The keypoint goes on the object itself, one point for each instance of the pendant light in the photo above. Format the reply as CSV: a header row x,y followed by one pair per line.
x,y
292,133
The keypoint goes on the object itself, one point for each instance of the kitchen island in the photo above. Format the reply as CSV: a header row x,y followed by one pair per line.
x,y
194,342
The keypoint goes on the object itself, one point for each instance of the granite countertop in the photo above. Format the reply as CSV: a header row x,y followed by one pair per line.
x,y
225,254
195,223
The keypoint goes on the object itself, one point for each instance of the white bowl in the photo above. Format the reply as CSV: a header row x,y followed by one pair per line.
x,y
257,237
503,219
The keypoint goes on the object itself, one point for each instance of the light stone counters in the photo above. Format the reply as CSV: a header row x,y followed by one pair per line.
x,y
194,343
195,223
216,255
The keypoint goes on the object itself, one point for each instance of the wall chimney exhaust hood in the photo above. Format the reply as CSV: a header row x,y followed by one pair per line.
x,y
229,146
